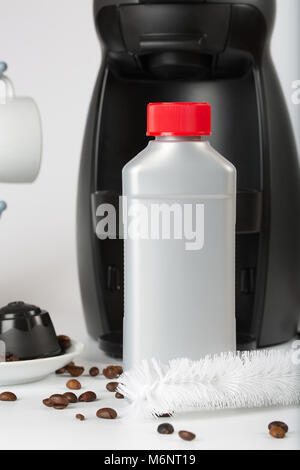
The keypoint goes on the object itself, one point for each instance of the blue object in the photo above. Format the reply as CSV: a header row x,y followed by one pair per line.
x,y
3,206
3,67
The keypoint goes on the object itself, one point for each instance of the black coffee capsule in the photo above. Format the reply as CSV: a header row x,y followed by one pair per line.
x,y
27,331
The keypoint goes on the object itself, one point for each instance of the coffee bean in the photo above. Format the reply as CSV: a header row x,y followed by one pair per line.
x,y
112,372
59,401
48,402
279,424
55,397
87,396
112,386
277,432
64,369
80,417
9,357
75,371
7,396
94,371
64,341
119,395
71,397
59,407
106,413
186,435
165,428
74,384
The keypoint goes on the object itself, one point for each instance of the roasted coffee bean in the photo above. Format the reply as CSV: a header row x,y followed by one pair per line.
x,y
7,396
279,424
74,384
71,397
107,413
80,417
112,372
87,396
119,395
48,402
165,428
186,435
277,432
112,386
9,357
64,369
94,371
75,371
58,400
64,341
12,359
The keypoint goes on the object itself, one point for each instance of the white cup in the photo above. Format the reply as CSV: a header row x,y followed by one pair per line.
x,y
20,136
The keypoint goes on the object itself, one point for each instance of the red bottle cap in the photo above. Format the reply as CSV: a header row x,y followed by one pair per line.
x,y
187,119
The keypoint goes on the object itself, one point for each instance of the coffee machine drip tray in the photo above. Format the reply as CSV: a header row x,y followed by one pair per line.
x,y
112,344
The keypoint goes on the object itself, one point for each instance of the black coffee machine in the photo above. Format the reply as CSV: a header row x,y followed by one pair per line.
x,y
214,51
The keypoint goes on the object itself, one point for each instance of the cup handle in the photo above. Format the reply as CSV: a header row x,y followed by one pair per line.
x,y
6,89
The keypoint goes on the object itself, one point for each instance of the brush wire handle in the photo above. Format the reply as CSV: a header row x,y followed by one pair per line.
x,y
231,380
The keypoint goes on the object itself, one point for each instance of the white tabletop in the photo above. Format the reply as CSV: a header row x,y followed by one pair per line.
x,y
28,424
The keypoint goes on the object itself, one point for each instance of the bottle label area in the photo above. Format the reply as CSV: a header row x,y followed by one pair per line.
x,y
155,220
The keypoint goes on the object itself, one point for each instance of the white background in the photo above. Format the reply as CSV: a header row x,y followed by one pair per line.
x,y
53,55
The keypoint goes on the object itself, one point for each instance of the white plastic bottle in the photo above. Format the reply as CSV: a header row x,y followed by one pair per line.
x,y
179,215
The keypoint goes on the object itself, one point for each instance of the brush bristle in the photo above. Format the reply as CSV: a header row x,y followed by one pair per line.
x,y
230,380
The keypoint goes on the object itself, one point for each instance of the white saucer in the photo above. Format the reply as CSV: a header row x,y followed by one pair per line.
x,y
21,372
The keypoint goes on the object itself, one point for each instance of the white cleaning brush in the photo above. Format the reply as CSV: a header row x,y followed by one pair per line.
x,y
231,380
